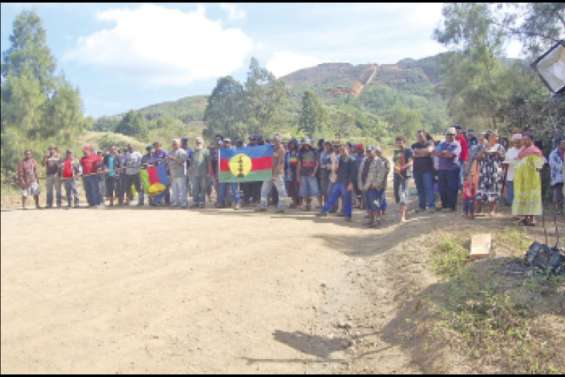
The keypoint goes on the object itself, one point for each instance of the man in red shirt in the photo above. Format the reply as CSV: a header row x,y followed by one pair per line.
x,y
464,156
89,163
69,170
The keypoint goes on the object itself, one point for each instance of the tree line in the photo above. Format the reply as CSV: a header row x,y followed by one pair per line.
x,y
479,88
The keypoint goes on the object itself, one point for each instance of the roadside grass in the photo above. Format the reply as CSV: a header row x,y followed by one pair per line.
x,y
495,318
449,257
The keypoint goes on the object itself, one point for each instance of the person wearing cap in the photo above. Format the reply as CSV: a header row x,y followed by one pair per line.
x,y
176,161
51,161
198,172
509,163
28,179
306,173
370,180
448,152
556,162
343,187
225,186
423,171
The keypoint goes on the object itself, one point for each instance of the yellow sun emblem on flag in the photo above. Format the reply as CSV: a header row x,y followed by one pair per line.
x,y
240,165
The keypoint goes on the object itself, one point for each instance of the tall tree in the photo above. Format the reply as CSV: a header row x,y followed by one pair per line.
x,y
265,99
313,117
472,70
29,51
225,109
38,107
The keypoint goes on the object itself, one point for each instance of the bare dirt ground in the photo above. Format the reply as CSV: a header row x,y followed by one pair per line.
x,y
162,290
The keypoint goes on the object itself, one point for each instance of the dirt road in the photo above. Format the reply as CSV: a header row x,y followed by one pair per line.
x,y
99,290
162,290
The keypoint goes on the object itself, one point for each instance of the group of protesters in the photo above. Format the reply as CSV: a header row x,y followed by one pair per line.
x,y
338,176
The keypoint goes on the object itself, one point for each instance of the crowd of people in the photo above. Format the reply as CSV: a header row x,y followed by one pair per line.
x,y
478,168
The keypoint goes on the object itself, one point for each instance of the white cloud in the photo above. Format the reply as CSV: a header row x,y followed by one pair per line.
x,y
234,13
164,46
285,62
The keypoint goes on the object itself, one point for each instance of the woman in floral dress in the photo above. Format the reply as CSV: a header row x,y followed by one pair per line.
x,y
490,171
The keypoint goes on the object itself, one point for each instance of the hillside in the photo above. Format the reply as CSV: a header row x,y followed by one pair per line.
x,y
355,91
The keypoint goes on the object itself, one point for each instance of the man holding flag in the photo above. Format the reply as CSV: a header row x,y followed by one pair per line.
x,y
223,186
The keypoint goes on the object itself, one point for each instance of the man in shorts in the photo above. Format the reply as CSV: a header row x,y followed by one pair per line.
x,y
28,179
306,173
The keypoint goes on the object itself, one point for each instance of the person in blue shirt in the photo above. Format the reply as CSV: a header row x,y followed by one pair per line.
x,y
111,168
343,187
448,152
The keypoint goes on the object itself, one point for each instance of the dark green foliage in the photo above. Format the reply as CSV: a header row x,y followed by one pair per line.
x,y
38,107
132,124
313,117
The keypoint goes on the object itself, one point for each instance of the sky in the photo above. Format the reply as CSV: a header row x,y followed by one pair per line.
x,y
127,56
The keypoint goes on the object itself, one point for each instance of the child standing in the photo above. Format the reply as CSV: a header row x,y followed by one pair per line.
x,y
469,193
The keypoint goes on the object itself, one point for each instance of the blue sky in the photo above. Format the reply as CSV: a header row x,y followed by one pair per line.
x,y
126,56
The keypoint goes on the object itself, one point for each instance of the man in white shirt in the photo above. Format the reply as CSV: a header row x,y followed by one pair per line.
x,y
510,160
132,165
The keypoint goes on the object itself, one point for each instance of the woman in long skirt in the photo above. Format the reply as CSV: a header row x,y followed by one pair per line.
x,y
490,171
527,182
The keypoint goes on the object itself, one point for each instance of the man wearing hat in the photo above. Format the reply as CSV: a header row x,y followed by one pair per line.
x,y
509,163
306,173
448,152
51,161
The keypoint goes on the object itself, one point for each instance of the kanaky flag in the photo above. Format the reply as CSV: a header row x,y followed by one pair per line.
x,y
246,164
154,179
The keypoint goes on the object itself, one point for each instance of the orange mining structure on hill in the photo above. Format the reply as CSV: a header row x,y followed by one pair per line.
x,y
359,85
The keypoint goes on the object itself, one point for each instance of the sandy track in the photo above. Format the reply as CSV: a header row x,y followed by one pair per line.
x,y
161,290
176,291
